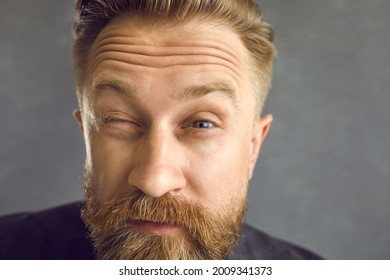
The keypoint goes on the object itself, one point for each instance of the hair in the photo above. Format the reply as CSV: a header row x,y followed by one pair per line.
x,y
243,16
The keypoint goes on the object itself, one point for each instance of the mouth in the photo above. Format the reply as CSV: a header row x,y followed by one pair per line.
x,y
151,227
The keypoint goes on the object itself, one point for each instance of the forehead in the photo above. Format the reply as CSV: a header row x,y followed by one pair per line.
x,y
132,49
195,41
195,32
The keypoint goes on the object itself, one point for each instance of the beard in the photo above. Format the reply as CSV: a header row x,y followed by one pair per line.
x,y
201,235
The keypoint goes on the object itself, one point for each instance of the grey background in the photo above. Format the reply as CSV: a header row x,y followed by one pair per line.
x,y
323,177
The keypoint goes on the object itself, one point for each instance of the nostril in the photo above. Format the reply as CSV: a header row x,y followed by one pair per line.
x,y
156,181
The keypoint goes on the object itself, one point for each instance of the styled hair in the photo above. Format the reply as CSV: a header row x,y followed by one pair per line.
x,y
242,16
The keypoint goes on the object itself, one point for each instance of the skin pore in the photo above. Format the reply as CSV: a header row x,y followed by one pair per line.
x,y
169,110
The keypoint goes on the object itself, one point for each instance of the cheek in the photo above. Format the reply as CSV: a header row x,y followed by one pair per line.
x,y
109,164
220,175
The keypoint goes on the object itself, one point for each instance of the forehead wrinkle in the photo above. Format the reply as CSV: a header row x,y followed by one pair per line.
x,y
140,64
163,61
135,41
163,51
117,40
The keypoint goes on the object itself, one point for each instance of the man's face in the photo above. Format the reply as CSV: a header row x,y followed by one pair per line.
x,y
168,112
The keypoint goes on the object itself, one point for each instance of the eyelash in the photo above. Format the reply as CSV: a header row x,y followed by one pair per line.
x,y
107,120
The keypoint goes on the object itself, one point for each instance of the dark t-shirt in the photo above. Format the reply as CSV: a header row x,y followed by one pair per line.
x,y
60,234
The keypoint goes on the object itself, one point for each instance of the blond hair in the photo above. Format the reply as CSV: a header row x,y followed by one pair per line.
x,y
243,16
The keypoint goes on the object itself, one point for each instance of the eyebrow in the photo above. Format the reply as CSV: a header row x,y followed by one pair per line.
x,y
199,91
125,89
118,86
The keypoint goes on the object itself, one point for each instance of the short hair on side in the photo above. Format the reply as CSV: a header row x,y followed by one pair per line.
x,y
243,16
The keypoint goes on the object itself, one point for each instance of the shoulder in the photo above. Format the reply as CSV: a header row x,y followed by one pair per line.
x,y
56,233
254,244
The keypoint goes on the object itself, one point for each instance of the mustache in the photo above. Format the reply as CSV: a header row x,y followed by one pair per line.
x,y
205,234
136,206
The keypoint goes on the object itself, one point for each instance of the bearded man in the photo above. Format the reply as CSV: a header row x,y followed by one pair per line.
x,y
170,96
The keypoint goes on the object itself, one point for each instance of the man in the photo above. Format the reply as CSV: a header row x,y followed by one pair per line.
x,y
170,94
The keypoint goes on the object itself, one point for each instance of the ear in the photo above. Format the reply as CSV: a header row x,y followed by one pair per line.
x,y
259,133
77,116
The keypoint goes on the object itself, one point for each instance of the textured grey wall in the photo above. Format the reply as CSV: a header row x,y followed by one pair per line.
x,y
323,179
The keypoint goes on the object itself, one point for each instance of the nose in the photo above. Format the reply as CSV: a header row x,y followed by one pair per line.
x,y
157,169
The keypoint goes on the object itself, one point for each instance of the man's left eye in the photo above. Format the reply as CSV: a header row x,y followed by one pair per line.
x,y
202,124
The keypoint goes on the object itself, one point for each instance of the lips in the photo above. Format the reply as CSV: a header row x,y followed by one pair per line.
x,y
155,227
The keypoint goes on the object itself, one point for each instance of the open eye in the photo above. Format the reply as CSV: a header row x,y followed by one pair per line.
x,y
202,124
